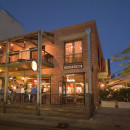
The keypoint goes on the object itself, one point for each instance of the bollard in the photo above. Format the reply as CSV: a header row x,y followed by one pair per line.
x,y
63,125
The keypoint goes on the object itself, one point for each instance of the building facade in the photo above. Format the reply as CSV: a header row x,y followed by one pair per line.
x,y
56,62
9,26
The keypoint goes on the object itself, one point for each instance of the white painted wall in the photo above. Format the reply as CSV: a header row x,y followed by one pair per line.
x,y
112,104
9,27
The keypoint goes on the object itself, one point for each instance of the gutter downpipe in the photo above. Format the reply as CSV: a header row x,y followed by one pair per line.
x,y
88,32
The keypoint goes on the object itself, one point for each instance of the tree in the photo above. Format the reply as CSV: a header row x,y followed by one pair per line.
x,y
124,57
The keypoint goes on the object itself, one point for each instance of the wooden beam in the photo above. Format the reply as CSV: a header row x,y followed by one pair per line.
x,y
20,45
33,42
30,39
49,34
46,36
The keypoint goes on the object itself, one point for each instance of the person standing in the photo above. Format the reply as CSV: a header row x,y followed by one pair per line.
x,y
33,94
22,92
17,94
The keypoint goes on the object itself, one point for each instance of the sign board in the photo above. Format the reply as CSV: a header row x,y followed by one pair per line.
x,y
73,67
34,65
102,75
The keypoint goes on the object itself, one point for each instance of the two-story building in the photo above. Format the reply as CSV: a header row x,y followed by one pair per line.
x,y
62,63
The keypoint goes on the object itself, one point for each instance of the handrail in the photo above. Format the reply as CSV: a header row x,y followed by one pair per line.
x,y
45,55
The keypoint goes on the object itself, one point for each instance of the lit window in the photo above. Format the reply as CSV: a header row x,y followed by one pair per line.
x,y
73,52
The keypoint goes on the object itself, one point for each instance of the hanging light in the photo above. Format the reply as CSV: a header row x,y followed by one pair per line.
x,y
11,78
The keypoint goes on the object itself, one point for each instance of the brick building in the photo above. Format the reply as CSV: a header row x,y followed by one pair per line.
x,y
60,64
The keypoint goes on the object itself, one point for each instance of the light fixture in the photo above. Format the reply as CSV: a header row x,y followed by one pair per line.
x,y
22,78
12,44
102,85
0,47
11,78
35,81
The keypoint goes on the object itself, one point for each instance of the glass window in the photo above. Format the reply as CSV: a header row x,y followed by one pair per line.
x,y
73,52
69,49
78,47
74,84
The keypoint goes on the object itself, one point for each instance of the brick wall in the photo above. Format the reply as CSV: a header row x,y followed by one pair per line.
x,y
57,50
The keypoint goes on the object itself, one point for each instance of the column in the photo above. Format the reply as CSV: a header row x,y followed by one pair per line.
x,y
89,97
39,62
6,76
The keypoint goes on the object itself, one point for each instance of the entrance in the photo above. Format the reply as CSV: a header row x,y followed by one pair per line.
x,y
74,89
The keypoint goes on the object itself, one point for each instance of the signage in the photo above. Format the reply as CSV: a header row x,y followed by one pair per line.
x,y
103,75
73,67
34,65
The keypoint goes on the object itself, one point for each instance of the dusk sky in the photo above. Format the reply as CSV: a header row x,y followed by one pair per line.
x,y
112,18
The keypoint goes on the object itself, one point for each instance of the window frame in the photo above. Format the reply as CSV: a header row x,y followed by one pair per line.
x,y
73,51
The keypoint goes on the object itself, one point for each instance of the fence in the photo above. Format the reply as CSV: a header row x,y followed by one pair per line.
x,y
26,55
53,99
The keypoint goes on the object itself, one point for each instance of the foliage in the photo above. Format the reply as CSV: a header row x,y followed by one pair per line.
x,y
110,94
125,58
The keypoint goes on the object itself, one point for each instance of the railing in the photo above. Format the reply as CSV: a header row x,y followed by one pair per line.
x,y
2,58
26,55
54,99
1,96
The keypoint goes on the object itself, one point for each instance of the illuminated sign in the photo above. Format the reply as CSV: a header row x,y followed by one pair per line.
x,y
103,75
73,67
34,65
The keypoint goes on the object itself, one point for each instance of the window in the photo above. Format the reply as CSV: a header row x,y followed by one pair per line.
x,y
73,52
74,84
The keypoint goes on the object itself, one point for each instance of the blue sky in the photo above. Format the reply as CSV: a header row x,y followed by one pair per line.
x,y
112,18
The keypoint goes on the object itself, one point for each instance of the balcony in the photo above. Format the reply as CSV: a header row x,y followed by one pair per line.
x,y
21,60
23,50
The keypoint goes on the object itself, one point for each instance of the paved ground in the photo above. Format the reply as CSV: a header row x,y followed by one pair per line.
x,y
104,119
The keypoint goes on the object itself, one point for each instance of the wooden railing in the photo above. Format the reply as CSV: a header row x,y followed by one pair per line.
x,y
27,55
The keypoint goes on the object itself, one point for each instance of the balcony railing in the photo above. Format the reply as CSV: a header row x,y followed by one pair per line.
x,y
26,55
2,58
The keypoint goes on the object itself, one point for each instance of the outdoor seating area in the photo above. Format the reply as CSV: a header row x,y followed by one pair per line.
x,y
54,99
